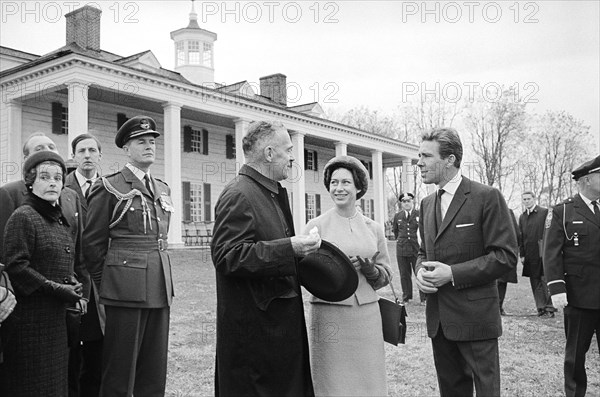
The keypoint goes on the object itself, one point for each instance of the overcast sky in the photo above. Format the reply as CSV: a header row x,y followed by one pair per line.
x,y
350,53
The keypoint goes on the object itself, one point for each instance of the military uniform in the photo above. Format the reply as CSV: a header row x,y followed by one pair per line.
x,y
572,266
125,248
405,227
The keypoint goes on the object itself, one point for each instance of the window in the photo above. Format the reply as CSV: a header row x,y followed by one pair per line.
x,y
180,53
207,55
60,119
195,140
367,207
194,52
310,160
313,205
369,166
121,119
229,146
196,202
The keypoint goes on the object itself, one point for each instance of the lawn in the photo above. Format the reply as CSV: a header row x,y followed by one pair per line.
x,y
531,349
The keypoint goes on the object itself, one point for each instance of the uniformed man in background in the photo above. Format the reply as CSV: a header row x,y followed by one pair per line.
x,y
572,267
125,248
405,227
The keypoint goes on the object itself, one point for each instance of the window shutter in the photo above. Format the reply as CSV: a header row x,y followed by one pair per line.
x,y
372,214
318,204
306,206
121,119
305,159
315,161
229,146
370,168
207,212
187,210
56,118
204,141
362,205
187,138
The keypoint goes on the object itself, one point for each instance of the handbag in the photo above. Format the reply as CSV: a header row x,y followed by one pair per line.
x,y
73,324
393,319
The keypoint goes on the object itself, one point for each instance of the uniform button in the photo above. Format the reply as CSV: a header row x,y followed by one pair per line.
x,y
124,262
272,195
131,209
158,219
160,235
68,249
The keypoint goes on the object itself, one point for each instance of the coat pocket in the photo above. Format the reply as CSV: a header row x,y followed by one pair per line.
x,y
124,276
482,292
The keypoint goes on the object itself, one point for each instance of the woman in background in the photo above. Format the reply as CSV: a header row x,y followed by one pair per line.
x,y
39,254
346,340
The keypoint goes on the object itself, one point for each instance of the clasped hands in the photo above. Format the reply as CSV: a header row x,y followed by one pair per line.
x,y
433,275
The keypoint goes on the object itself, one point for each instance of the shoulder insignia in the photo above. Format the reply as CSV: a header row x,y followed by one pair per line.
x,y
548,220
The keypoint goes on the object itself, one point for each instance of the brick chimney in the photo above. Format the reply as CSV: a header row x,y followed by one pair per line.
x,y
274,87
83,27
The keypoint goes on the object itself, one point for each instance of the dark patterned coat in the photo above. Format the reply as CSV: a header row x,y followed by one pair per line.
x,y
36,357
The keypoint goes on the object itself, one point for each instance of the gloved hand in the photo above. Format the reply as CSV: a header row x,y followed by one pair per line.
x,y
65,292
559,301
367,267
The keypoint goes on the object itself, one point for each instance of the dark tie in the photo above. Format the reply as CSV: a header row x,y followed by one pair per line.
x,y
88,187
596,210
406,215
148,184
438,210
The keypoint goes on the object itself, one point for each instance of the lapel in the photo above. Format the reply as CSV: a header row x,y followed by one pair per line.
x,y
72,183
457,202
135,183
582,209
428,220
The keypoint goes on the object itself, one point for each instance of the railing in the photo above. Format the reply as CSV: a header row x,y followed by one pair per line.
x,y
197,234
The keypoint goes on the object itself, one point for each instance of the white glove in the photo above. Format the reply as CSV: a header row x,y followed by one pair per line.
x,y
559,301
314,232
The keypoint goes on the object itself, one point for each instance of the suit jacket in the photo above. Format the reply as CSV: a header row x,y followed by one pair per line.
x,y
405,232
12,196
72,183
572,253
532,233
126,262
479,242
262,343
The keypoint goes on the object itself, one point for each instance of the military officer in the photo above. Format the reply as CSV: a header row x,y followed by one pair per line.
x,y
572,266
405,226
125,248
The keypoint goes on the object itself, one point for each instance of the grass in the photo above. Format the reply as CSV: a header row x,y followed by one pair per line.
x,y
531,349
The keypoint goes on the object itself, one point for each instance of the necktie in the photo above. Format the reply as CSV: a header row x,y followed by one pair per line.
x,y
438,210
148,184
596,210
88,187
406,215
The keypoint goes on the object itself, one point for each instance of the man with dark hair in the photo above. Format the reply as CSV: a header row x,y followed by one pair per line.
x,y
405,227
85,362
464,249
572,264
531,226
262,345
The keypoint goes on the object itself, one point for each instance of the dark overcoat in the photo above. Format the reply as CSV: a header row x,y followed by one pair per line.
x,y
405,232
479,248
37,248
532,233
511,275
262,347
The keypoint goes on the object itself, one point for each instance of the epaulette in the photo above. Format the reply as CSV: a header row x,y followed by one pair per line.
x,y
113,174
160,180
567,201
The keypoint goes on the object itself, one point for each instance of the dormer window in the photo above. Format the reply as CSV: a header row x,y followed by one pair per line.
x,y
194,52
180,50
208,55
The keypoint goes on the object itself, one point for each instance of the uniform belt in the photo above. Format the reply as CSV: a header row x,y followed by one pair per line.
x,y
136,245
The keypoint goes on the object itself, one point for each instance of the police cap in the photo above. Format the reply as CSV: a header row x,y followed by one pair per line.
x,y
135,127
406,195
586,168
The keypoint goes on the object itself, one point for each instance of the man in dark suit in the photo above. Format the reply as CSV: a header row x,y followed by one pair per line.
x,y
262,344
125,250
405,227
572,264
531,226
85,368
464,249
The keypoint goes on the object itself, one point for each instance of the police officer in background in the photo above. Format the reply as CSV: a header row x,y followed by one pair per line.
x,y
405,226
572,267
125,248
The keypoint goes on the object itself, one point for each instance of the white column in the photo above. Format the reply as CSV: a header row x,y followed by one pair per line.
x,y
78,110
378,196
408,176
298,181
172,136
385,196
11,163
241,128
341,149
